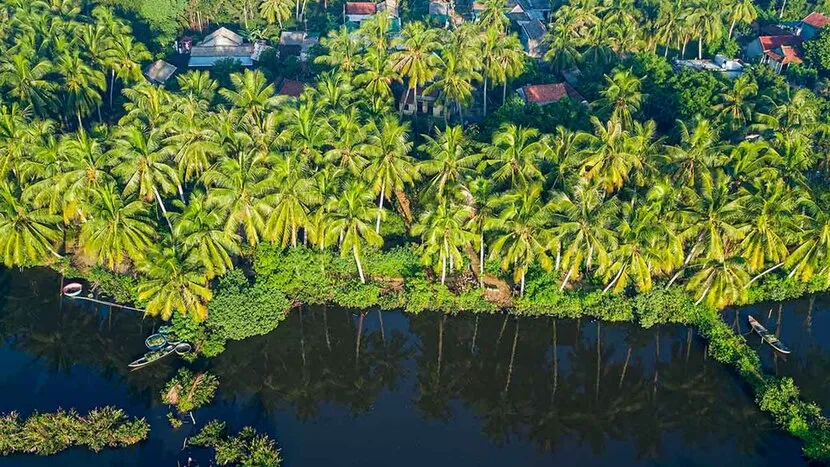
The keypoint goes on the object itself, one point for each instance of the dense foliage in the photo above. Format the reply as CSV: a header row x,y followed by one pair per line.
x,y
50,433
188,391
248,448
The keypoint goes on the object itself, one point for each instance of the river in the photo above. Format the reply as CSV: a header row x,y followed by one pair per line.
x,y
345,388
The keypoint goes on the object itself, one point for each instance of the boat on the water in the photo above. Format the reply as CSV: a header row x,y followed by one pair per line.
x,y
767,336
72,289
179,348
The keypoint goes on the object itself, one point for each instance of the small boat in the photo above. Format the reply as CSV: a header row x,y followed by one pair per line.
x,y
72,289
768,337
155,341
180,348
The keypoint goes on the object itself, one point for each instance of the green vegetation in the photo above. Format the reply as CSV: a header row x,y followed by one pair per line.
x,y
188,391
247,448
49,433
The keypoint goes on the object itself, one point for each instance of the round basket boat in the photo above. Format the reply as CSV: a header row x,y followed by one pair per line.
x,y
73,289
155,341
183,348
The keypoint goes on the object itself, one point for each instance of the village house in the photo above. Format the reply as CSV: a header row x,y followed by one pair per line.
x,y
776,51
728,67
543,94
810,26
532,35
297,44
220,45
358,12
159,72
426,104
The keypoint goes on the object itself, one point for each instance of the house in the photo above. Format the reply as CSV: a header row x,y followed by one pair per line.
x,y
543,94
532,34
439,9
159,72
426,104
776,51
477,10
811,25
291,88
296,43
357,12
390,6
527,10
220,45
730,68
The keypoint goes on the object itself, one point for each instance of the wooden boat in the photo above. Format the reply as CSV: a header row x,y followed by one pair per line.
x,y
767,336
72,289
180,348
155,341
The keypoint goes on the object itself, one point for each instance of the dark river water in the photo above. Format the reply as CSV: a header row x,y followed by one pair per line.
x,y
341,388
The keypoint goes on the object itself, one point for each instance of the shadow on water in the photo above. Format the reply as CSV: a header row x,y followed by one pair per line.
x,y
804,326
375,389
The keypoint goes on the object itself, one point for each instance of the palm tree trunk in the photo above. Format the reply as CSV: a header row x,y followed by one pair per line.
x,y
565,282
683,50
512,358
504,93
475,334
732,26
359,265
380,205
80,123
700,47
522,286
485,96
625,367
357,341
443,269
112,86
616,278
163,210
481,260
763,274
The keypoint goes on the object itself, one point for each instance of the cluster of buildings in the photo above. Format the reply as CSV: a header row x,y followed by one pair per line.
x,y
779,46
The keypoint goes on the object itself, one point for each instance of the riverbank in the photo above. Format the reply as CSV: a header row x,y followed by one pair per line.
x,y
280,279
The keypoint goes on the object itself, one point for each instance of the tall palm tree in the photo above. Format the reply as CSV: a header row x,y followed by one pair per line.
x,y
563,53
342,50
812,254
252,94
450,161
621,97
454,83
195,140
348,134
720,281
523,224
174,285
239,188
493,16
481,192
291,202
117,229
82,86
125,57
741,11
141,161
198,86
203,237
377,77
770,227
698,152
515,153
736,102
27,235
707,18
350,223
444,235
417,60
607,155
276,11
28,82
510,57
390,167
583,230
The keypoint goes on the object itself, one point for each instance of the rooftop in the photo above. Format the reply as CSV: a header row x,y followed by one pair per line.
x,y
534,29
773,42
159,71
221,37
546,93
361,8
816,20
785,55
292,37
291,88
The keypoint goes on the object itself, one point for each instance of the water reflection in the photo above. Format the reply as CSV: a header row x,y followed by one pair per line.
x,y
369,388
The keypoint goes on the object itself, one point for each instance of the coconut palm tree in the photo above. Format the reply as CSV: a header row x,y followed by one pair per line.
x,y
720,281
27,235
342,50
707,18
511,58
140,159
376,77
698,152
390,167
347,135
117,229
197,85
493,16
450,161
524,234
583,228
292,201
515,154
417,60
736,102
621,98
125,57
252,94
83,169
563,53
276,11
200,232
607,157
741,11
82,86
350,223
770,227
28,82
196,142
811,256
481,192
444,235
173,285
454,83
239,188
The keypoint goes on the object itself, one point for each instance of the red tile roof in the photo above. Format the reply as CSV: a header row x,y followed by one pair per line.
x,y
784,55
361,8
291,88
816,20
547,93
774,42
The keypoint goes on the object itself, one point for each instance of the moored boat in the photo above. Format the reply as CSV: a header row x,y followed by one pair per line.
x,y
179,348
767,336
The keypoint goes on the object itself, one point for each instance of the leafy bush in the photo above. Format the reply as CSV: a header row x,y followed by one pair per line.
x,y
239,310
50,433
248,448
188,391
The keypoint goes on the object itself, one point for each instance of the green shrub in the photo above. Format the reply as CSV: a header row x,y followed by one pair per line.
x,y
248,448
239,310
188,391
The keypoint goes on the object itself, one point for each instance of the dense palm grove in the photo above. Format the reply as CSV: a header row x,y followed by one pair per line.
x,y
180,186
